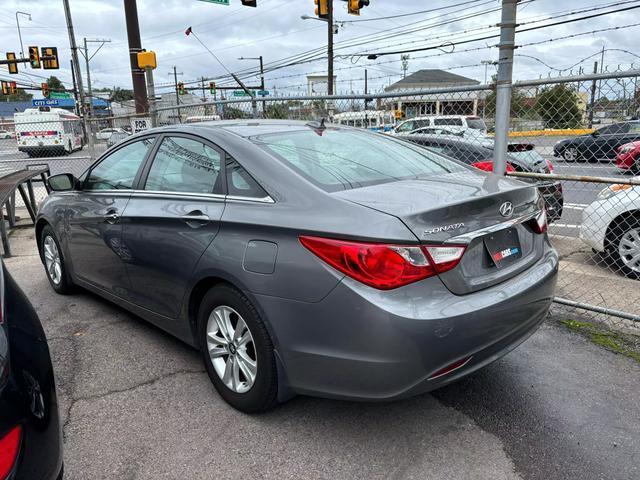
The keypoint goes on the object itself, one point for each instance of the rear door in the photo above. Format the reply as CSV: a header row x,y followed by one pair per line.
x,y
172,218
94,238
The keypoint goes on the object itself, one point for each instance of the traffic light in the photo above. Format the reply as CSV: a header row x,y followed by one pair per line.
x,y
354,6
13,88
34,57
5,88
212,88
50,58
45,89
322,8
13,65
250,3
181,88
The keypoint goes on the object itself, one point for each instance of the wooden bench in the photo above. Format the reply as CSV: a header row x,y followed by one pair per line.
x,y
10,181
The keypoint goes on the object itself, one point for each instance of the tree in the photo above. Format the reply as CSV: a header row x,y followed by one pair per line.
x,y
55,85
279,110
121,94
21,96
518,103
558,107
233,113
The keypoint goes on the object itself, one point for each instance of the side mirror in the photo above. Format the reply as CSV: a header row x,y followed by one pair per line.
x,y
63,182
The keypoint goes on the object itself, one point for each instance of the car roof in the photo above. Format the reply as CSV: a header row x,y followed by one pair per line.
x,y
246,128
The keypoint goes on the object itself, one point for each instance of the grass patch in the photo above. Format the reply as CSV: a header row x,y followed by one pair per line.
x,y
614,341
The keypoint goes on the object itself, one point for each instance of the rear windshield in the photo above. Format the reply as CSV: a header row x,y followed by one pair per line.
x,y
342,159
448,121
476,124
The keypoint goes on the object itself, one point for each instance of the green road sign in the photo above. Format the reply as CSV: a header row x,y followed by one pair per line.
x,y
263,93
240,93
219,2
59,95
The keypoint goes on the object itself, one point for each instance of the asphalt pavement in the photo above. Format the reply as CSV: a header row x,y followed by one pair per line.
x,y
137,404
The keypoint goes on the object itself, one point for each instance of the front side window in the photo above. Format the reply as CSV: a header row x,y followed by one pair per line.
x,y
344,159
119,169
184,165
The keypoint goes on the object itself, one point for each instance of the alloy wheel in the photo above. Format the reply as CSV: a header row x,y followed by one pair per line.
x,y
52,260
570,154
629,249
231,349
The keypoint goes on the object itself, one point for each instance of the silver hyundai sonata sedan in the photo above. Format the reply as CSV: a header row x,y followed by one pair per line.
x,y
304,258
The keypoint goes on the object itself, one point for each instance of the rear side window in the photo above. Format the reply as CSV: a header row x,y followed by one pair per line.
x,y
119,169
339,159
448,121
241,184
184,165
476,124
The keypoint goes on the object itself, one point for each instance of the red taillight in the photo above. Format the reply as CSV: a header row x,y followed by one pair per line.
x,y
487,166
550,165
384,266
539,224
9,448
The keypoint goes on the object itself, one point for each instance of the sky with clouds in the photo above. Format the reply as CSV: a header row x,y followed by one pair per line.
x,y
276,31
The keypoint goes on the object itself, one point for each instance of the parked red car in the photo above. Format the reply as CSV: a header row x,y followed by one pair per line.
x,y
628,157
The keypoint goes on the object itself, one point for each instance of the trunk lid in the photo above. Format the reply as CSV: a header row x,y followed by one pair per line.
x,y
462,208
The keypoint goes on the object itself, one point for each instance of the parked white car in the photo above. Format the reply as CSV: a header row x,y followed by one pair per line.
x,y
4,134
105,133
464,122
611,225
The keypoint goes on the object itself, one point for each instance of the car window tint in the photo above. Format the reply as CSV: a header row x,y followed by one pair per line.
x,y
240,183
448,121
341,159
184,165
119,169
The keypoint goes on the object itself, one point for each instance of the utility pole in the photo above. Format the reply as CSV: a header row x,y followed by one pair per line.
x,y
87,58
503,84
76,69
261,77
175,79
151,95
594,84
135,46
366,89
75,88
405,64
330,47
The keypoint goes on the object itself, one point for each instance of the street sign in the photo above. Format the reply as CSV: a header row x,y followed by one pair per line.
x,y
263,93
58,95
45,102
240,93
140,124
219,2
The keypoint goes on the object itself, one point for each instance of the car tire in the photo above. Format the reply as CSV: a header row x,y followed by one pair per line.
x,y
53,261
231,364
624,245
570,154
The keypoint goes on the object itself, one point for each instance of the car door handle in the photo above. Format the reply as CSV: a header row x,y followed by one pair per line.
x,y
111,216
195,219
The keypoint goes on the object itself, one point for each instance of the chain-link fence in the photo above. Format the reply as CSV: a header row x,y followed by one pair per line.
x,y
577,138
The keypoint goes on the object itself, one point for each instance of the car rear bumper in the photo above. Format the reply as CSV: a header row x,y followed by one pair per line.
x,y
362,343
